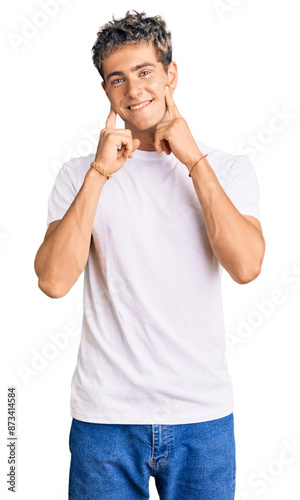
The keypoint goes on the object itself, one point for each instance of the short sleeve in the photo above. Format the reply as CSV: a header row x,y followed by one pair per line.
x,y
242,187
62,195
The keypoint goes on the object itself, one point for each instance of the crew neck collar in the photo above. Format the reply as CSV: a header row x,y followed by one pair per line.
x,y
151,155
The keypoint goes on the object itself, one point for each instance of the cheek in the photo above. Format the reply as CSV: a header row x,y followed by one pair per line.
x,y
113,97
158,86
114,101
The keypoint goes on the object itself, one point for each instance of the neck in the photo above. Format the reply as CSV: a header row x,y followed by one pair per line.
x,y
146,141
145,137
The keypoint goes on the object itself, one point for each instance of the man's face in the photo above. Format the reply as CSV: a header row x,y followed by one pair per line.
x,y
135,83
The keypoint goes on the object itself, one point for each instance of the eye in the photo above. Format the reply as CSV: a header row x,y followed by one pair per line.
x,y
145,73
118,80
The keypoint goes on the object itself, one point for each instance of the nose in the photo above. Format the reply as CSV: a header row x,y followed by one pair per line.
x,y
133,88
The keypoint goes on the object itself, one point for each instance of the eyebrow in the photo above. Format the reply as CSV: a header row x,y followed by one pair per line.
x,y
135,68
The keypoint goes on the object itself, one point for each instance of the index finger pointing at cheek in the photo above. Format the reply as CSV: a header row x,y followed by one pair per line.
x,y
171,106
111,119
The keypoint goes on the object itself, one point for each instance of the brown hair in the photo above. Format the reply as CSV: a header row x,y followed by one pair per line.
x,y
133,28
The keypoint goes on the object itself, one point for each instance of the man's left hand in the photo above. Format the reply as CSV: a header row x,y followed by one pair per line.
x,y
173,135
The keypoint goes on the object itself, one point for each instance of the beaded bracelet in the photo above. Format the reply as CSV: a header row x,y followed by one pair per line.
x,y
196,163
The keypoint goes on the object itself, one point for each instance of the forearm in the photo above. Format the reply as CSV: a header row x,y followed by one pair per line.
x,y
63,255
236,242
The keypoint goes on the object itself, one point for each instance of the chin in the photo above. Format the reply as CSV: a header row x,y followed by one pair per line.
x,y
143,125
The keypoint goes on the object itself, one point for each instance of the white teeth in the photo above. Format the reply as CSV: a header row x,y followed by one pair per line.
x,y
139,105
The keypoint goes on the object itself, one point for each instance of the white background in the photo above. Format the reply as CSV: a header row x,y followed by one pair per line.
x,y
238,71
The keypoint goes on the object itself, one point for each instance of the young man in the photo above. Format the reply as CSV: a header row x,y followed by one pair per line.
x,y
150,218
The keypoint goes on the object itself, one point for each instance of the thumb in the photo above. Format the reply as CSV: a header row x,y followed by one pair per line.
x,y
135,144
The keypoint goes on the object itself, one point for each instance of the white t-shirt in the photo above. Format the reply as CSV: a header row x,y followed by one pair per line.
x,y
153,341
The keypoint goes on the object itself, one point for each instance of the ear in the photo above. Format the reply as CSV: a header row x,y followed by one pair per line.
x,y
104,88
172,75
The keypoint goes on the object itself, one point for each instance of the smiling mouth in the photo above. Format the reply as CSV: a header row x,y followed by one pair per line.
x,y
139,106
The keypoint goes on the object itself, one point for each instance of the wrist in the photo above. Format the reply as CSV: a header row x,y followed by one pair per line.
x,y
100,169
200,160
96,177
193,159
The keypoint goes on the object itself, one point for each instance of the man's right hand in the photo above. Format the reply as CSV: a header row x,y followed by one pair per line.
x,y
108,155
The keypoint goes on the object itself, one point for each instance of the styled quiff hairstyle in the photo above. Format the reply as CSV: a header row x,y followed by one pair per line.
x,y
133,28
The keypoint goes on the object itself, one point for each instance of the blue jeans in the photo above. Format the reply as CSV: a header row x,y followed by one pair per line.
x,y
188,461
